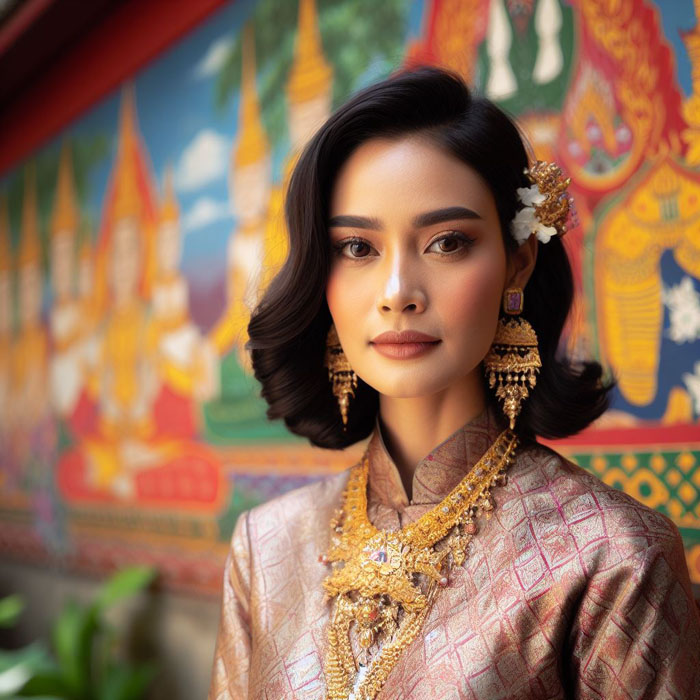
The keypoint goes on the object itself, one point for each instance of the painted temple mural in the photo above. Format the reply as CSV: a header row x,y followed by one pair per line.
x,y
135,244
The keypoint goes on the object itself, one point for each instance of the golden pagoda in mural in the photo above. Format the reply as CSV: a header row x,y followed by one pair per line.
x,y
259,245
125,372
66,376
310,98
30,352
249,181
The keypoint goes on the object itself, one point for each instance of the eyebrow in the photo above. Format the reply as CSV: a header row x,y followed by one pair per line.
x,y
428,218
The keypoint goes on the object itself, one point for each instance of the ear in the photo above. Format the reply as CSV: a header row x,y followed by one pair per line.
x,y
521,263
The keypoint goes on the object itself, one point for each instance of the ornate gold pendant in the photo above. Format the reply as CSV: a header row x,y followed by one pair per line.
x,y
373,581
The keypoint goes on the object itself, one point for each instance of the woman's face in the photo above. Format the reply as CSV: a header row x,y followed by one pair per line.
x,y
416,245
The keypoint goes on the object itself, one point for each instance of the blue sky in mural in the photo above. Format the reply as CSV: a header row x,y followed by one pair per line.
x,y
183,129
674,19
179,123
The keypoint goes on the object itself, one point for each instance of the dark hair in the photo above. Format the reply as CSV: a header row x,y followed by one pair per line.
x,y
288,328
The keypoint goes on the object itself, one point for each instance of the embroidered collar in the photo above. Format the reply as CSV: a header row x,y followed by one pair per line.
x,y
439,471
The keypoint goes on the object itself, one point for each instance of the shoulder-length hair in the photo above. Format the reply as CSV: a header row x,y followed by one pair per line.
x,y
288,328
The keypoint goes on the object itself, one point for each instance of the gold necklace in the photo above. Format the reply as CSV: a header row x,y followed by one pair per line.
x,y
373,570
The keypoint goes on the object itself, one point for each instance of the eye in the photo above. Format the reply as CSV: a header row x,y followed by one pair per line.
x,y
355,245
449,244
452,243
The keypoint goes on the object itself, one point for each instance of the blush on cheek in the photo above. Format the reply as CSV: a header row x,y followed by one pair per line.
x,y
346,296
472,305
331,294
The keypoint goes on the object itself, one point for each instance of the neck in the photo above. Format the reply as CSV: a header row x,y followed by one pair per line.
x,y
412,427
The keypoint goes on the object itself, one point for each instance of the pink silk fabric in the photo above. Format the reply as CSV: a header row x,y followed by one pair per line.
x,y
571,589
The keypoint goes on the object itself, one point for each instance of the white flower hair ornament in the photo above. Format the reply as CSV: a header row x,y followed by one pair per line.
x,y
548,210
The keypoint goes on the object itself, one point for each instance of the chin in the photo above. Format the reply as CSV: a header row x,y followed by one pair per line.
x,y
409,386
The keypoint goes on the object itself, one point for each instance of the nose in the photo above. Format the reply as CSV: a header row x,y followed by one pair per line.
x,y
402,289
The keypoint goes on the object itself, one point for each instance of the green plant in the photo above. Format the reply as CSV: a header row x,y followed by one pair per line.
x,y
84,662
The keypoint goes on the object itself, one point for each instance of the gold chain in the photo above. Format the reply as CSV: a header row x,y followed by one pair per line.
x,y
374,570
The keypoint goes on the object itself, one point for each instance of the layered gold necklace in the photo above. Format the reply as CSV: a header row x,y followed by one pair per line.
x,y
373,581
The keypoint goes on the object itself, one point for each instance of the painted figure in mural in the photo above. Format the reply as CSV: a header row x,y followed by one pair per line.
x,y
186,364
30,349
621,138
128,380
65,371
145,364
459,556
259,245
83,419
125,376
250,178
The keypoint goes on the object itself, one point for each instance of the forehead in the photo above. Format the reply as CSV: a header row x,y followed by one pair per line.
x,y
405,175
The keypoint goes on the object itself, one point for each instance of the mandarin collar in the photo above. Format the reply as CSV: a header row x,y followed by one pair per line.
x,y
439,471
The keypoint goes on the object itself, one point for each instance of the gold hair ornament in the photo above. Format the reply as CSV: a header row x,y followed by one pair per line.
x,y
547,205
341,375
513,360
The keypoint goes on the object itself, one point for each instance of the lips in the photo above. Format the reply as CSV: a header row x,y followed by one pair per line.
x,y
408,336
404,345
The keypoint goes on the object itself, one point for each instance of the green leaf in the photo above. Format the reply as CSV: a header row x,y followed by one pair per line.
x,y
125,682
123,584
73,635
48,684
19,668
11,608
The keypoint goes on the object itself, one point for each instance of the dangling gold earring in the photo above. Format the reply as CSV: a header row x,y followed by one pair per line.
x,y
513,359
340,374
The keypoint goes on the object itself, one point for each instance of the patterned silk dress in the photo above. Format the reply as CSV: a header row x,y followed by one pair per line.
x,y
571,589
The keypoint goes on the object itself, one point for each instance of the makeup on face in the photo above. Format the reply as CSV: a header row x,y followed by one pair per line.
x,y
418,266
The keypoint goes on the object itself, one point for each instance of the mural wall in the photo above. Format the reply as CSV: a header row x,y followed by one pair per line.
x,y
135,244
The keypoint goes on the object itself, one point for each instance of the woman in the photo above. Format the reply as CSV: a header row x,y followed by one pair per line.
x,y
422,305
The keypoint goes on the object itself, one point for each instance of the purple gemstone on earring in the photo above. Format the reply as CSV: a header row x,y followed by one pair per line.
x,y
514,301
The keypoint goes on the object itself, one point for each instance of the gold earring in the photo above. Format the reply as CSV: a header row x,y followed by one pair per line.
x,y
513,359
340,374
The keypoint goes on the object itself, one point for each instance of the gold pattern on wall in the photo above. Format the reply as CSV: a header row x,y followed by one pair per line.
x,y
667,479
634,91
458,27
659,212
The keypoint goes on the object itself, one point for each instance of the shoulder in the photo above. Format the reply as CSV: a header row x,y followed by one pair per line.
x,y
298,511
575,513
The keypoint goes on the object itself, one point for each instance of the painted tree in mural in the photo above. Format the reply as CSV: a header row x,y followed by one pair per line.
x,y
362,40
288,83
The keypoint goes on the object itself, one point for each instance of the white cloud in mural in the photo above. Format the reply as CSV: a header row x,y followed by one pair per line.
x,y
683,304
214,59
205,211
203,160
692,383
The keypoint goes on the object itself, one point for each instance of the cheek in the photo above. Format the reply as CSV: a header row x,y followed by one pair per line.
x,y
471,304
347,298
